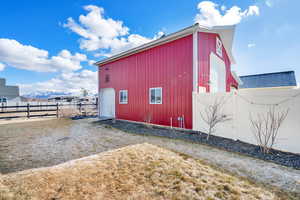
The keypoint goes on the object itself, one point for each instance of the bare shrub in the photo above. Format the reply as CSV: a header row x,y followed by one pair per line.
x,y
213,115
266,126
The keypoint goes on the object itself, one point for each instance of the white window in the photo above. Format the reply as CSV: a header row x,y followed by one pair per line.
x,y
123,96
3,100
155,95
219,47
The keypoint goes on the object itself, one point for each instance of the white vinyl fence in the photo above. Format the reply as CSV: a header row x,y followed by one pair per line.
x,y
242,104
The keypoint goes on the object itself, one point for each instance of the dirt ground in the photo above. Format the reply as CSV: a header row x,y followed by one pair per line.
x,y
135,172
46,143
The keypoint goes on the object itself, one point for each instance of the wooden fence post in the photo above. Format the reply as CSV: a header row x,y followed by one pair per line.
x,y
96,103
28,110
80,108
56,110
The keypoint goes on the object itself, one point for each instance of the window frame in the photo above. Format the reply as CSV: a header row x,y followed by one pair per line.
x,y
161,95
120,102
219,47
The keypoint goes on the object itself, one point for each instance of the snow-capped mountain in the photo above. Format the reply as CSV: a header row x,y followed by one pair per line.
x,y
45,95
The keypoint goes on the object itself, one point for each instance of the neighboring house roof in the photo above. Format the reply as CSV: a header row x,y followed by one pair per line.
x,y
226,33
276,79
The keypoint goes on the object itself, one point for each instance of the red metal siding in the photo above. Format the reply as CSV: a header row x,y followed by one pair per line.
x,y
206,45
168,66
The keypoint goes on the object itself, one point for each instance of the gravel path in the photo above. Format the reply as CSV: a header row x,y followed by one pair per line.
x,y
46,143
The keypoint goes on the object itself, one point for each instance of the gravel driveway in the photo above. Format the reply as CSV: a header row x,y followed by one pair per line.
x,y
46,143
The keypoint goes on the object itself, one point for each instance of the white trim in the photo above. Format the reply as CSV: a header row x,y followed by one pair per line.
x,y
126,91
195,61
237,78
161,94
99,103
99,87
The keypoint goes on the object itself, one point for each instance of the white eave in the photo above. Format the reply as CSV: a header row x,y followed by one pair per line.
x,y
226,33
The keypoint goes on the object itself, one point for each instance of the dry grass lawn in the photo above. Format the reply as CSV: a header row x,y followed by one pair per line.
x,y
140,171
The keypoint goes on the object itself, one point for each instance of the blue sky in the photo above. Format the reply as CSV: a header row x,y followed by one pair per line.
x,y
44,46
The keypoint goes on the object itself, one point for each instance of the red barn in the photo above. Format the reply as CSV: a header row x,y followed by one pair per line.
x,y
154,82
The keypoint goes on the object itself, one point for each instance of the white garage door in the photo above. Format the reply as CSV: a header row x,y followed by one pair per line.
x,y
217,74
107,102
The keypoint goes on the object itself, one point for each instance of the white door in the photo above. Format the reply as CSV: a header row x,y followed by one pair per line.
x,y
217,74
107,102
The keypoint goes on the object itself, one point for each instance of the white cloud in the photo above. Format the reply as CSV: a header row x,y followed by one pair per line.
x,y
97,55
70,82
269,3
107,35
251,45
223,8
209,14
252,10
27,57
2,66
92,62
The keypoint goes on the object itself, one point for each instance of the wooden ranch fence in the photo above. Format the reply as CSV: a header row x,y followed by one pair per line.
x,y
29,111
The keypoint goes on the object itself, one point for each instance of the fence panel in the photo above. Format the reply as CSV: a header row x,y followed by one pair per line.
x,y
45,110
244,104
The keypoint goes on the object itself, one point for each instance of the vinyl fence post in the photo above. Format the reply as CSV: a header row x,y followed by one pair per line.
x,y
28,110
56,110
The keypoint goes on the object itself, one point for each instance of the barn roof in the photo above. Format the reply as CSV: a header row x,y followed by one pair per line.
x,y
275,79
226,33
